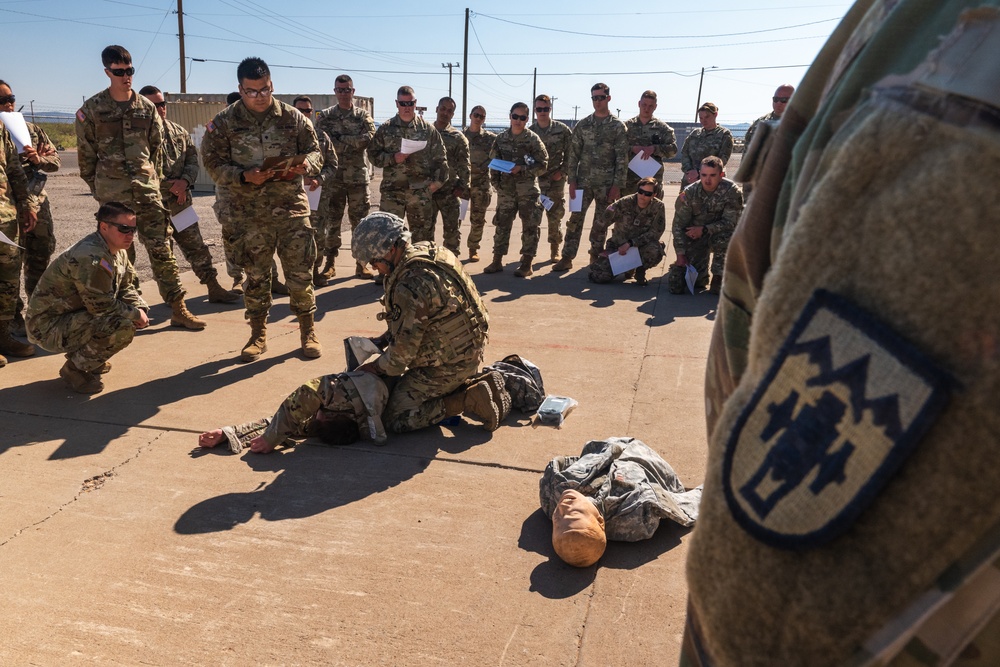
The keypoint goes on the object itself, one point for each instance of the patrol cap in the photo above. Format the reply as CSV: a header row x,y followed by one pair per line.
x,y
376,234
709,107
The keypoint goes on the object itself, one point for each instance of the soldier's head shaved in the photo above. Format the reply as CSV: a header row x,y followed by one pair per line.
x,y
447,100
578,533
601,86
149,90
252,68
114,54
376,235
405,90
233,97
544,99
343,78
111,211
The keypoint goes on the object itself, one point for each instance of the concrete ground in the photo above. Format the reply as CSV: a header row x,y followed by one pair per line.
x,y
123,543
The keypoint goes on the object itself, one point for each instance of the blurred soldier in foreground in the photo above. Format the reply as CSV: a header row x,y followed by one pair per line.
x,y
456,186
850,514
270,204
351,129
86,304
517,192
437,331
709,139
557,137
705,216
320,222
638,221
480,144
119,140
651,137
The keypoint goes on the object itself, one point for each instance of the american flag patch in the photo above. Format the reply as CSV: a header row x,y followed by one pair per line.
x,y
211,126
107,267
79,115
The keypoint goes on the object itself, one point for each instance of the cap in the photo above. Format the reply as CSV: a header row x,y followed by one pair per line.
x,y
710,107
376,234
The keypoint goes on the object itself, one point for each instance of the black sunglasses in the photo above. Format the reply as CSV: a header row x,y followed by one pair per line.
x,y
543,109
124,229
405,103
160,105
122,71
307,112
343,90
479,115
515,116
645,193
780,100
598,98
7,99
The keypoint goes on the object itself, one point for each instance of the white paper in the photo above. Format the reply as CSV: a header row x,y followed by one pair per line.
x,y
504,166
184,219
644,168
5,239
408,146
547,202
576,202
463,208
18,129
691,276
622,263
314,196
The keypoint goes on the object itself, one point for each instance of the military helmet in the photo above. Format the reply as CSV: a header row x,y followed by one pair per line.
x,y
376,234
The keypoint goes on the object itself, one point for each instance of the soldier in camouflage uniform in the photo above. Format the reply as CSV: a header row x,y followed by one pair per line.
x,y
456,186
437,331
18,213
39,244
351,129
230,232
320,223
597,164
517,192
480,144
705,216
179,171
272,206
557,138
86,303
637,221
778,103
119,139
709,139
409,180
340,409
651,137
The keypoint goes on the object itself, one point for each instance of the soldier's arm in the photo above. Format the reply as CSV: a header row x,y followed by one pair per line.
x,y
726,222
94,283
216,154
657,225
330,160
414,300
573,154
622,154
128,294
667,146
494,174
86,148
48,158
294,414
156,154
438,157
727,148
308,145
687,164
191,168
16,178
683,217
383,148
464,166
540,155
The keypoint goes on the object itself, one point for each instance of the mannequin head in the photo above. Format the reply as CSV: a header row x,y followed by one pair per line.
x,y
578,530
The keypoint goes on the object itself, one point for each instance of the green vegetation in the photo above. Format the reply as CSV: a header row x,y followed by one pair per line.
x,y
63,135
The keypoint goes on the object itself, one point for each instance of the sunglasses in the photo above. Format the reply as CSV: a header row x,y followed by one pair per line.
x,y
160,105
479,115
7,99
645,193
598,98
343,90
516,116
122,71
543,109
307,112
780,100
406,103
124,229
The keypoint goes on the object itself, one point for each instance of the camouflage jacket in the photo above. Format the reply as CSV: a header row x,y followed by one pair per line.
x,y
179,161
480,145
331,161
237,140
701,143
717,211
633,225
599,153
41,142
748,137
557,138
14,197
351,130
456,148
119,148
631,485
434,312
527,151
420,169
655,133
85,277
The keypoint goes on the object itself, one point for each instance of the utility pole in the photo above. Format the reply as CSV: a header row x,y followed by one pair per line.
x,y
449,66
32,103
552,111
180,39
465,71
534,93
575,108
618,113
700,81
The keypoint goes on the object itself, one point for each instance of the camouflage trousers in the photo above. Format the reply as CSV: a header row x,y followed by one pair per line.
x,y
196,252
417,400
154,233
39,244
651,254
293,240
415,207
448,205
556,191
509,204
10,270
229,236
697,254
574,228
479,202
88,341
337,197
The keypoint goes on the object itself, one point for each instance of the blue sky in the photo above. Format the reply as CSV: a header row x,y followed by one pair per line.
x,y
754,45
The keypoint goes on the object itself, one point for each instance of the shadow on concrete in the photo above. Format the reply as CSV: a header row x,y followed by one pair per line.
x,y
668,307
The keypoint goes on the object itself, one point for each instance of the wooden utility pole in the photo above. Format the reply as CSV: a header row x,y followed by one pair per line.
x,y
449,66
180,39
465,72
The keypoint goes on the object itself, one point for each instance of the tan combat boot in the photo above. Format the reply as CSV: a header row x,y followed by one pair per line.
x,y
219,294
473,254
307,332
564,264
329,270
180,316
238,284
524,268
555,252
257,345
497,265
11,346
480,402
82,382
363,271
319,279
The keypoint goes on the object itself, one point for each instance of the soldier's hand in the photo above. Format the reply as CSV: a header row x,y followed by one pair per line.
x,y
647,152
28,221
614,193
401,157
682,259
256,177
516,170
297,169
31,154
434,186
261,446
311,183
557,175
694,232
179,189
623,248
459,192
691,175
143,320
572,190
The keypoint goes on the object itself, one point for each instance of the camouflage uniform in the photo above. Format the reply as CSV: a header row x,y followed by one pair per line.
x,y
655,133
404,186
718,212
180,161
14,201
351,130
231,232
517,194
86,304
825,290
40,242
438,329
480,144
639,227
748,137
597,161
321,220
700,144
456,148
275,215
557,138
119,153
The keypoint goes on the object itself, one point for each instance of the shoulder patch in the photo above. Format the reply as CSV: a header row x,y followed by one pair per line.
x,y
210,126
843,406
80,116
104,264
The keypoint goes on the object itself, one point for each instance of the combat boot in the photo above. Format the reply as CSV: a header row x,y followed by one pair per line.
x,y
18,327
329,270
497,265
319,278
82,382
363,271
564,264
716,286
180,316
238,285
102,369
555,252
10,345
307,332
524,268
479,401
640,276
219,294
501,397
473,254
257,345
